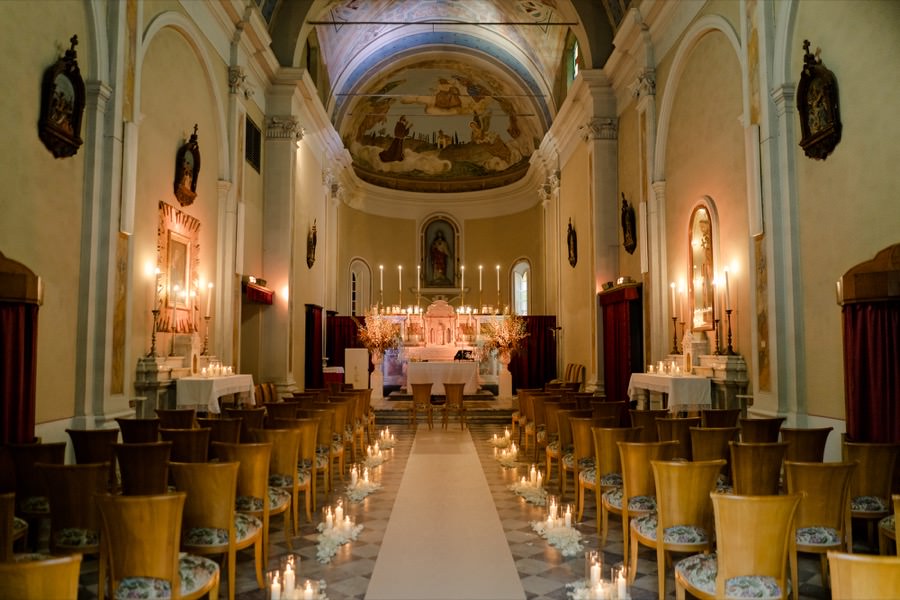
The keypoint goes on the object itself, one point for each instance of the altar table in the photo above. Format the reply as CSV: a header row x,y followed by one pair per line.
x,y
438,373
203,393
686,392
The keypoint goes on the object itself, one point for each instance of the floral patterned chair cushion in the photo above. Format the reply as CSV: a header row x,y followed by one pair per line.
x,y
195,573
553,448
678,534
583,463
35,505
872,504
700,572
278,497
245,526
20,526
818,536
614,497
588,477
889,525
74,537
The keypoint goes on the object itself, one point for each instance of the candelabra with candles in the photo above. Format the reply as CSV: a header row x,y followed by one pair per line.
x,y
729,351
675,335
152,353
205,350
716,327
682,330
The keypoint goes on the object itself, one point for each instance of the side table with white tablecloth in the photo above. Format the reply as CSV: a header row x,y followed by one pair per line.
x,y
440,372
686,392
203,393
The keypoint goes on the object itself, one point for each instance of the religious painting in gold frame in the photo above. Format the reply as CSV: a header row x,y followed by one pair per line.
x,y
701,290
178,259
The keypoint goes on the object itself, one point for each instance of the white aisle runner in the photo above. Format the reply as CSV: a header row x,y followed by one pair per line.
x,y
444,540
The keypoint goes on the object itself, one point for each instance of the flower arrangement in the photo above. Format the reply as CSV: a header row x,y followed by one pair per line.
x,y
504,334
379,333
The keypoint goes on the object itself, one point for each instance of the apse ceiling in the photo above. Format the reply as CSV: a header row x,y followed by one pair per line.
x,y
442,95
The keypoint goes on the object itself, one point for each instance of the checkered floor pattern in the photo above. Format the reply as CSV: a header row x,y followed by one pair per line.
x,y
543,571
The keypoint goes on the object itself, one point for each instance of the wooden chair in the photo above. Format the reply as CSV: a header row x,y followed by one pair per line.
x,y
637,496
188,445
74,519
756,467
223,429
279,410
282,481
455,404
307,459
760,429
618,410
143,468
251,418
138,431
754,537
421,401
683,521
140,548
210,524
518,417
805,445
551,450
324,446
32,503
43,579
12,528
582,459
822,522
359,422
253,494
646,420
567,463
679,429
608,463
94,446
341,437
539,420
870,490
719,417
887,529
712,443
177,418
864,577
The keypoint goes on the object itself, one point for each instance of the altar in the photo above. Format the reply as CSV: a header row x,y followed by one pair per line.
x,y
439,373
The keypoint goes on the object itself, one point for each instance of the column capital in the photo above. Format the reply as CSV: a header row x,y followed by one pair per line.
x,y
284,128
237,82
600,128
644,84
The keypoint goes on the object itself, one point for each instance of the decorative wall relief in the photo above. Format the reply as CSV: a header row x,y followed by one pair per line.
x,y
572,243
62,105
311,239
817,103
178,258
629,226
187,171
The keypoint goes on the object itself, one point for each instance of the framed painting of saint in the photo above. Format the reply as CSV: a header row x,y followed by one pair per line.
x,y
439,253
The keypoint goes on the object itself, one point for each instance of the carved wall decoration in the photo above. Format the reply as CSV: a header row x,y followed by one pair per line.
x,y
311,239
187,171
62,105
572,243
817,103
629,226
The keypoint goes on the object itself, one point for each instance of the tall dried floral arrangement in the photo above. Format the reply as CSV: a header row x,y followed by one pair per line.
x,y
378,333
504,334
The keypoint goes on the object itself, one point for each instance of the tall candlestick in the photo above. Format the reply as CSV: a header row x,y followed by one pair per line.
x,y
681,300
209,288
498,288
727,292
672,286
479,278
400,277
418,278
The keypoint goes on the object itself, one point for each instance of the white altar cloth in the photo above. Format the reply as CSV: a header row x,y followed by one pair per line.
x,y
438,373
203,393
686,392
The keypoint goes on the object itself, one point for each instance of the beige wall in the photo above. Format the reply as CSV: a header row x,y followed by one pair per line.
x,y
41,223
847,204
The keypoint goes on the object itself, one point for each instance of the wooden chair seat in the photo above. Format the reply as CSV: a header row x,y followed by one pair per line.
x,y
283,476
679,429
870,490
608,465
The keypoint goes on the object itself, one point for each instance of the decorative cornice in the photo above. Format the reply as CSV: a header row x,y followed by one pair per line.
x,y
600,128
783,97
237,82
284,128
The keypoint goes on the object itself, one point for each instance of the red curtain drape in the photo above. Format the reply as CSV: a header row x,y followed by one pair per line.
x,y
18,371
534,363
872,371
313,365
342,333
622,350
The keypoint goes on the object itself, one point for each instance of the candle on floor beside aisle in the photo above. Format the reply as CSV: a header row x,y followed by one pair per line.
x,y
620,585
308,591
288,580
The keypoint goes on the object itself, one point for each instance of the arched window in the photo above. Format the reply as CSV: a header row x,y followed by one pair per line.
x,y
521,275
360,287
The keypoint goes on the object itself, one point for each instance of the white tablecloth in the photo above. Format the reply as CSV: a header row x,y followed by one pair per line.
x,y
438,373
686,392
203,393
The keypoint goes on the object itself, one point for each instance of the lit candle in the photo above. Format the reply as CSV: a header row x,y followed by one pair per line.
x,y
727,292
329,519
533,474
347,523
209,288
620,584
288,580
498,285
595,572
479,278
354,475
672,286
462,278
366,474
568,515
276,589
308,591
400,277
540,480
338,513
418,278
380,278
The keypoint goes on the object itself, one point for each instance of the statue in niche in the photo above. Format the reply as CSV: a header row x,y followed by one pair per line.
x,y
629,228
440,257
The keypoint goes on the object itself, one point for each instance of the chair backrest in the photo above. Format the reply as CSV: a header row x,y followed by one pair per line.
x,y
646,419
306,448
760,429
285,449
279,410
188,445
619,410
29,483
864,576
55,577
756,467
251,418
143,467
719,417
253,472
71,490
805,444
421,393
93,445
826,502
211,489
711,443
607,458
176,418
875,471
582,438
7,527
753,536
678,428
564,427
141,537
454,392
637,474
223,429
138,431
682,492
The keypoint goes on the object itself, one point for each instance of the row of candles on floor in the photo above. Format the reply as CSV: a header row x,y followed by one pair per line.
x,y
337,518
283,584
614,589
